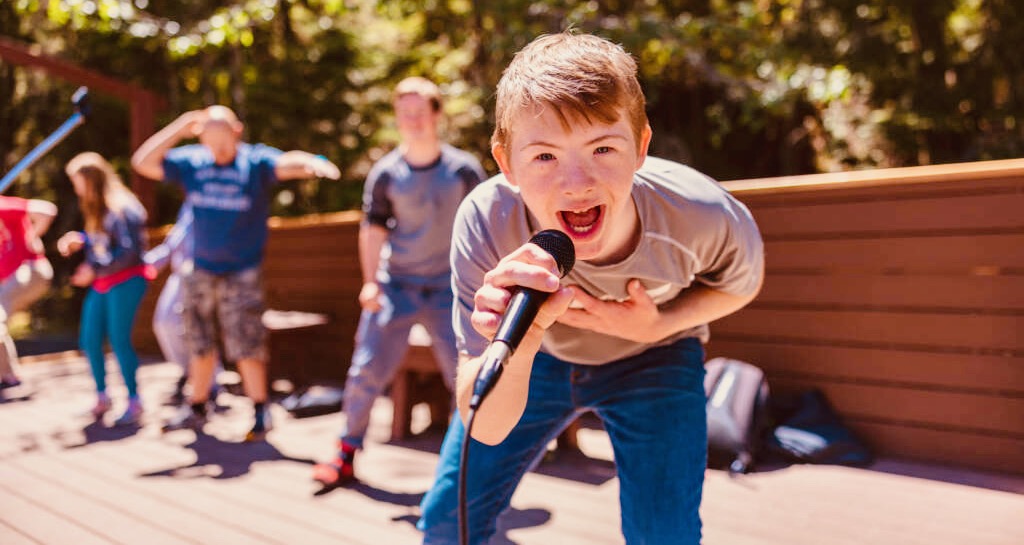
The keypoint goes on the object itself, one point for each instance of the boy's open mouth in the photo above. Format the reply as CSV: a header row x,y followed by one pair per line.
x,y
581,222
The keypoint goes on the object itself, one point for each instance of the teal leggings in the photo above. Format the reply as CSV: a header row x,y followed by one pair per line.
x,y
111,316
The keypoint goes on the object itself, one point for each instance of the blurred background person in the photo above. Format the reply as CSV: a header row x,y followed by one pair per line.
x,y
114,240
25,273
409,203
227,182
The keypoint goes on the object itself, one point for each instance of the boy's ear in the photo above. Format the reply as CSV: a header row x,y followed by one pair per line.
x,y
501,157
645,144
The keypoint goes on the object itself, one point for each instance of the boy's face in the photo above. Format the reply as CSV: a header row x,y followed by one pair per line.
x,y
579,180
221,138
416,118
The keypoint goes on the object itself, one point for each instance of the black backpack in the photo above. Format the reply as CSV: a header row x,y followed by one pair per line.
x,y
811,432
737,413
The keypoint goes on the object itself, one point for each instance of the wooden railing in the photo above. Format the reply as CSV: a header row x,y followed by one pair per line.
x,y
899,293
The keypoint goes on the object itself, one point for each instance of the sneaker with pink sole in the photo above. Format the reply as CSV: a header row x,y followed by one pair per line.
x,y
101,407
131,416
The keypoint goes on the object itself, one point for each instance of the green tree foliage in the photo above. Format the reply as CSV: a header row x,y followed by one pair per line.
x,y
941,80
738,89
791,86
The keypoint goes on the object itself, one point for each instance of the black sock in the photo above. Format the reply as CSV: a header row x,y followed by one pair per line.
x,y
258,410
199,409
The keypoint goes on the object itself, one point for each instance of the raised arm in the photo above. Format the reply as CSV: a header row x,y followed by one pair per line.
x,y
292,165
148,159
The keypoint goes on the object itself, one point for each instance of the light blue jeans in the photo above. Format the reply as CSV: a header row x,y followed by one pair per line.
x,y
652,406
169,322
110,316
382,344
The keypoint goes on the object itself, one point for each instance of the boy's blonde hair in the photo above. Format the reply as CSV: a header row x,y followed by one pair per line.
x,y
104,190
578,75
419,86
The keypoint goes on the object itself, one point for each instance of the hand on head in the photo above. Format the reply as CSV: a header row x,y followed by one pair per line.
x,y
192,123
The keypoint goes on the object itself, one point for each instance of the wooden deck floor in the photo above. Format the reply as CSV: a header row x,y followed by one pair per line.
x,y
64,480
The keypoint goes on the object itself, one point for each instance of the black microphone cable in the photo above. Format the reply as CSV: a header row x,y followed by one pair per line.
x,y
515,322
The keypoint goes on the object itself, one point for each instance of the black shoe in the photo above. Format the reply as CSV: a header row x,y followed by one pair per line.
x,y
260,429
185,419
178,397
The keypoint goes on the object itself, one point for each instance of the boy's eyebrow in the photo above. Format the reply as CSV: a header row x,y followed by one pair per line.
x,y
592,141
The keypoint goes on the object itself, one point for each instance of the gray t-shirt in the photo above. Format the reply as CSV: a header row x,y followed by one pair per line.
x,y
693,230
418,206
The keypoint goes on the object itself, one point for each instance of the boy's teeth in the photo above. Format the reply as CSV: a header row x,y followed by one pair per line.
x,y
581,218
581,229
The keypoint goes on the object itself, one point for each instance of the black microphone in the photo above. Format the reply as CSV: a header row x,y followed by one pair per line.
x,y
521,311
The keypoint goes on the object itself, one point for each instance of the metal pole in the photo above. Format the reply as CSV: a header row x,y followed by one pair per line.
x,y
79,99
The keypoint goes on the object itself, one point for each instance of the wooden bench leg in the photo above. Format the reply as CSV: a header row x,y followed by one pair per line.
x,y
440,412
401,420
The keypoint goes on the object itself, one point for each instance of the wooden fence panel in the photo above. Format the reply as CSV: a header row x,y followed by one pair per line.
x,y
900,294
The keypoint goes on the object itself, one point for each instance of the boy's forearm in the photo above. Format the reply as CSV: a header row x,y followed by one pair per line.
x,y
501,410
700,305
371,240
292,165
159,256
148,159
296,164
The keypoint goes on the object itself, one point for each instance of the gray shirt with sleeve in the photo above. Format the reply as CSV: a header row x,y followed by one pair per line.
x,y
417,206
693,231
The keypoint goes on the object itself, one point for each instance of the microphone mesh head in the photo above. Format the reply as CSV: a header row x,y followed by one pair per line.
x,y
559,245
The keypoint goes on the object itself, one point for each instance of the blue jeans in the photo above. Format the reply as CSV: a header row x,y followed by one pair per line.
x,y
382,343
652,406
110,316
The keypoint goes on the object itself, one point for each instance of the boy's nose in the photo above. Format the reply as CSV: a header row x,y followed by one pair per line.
x,y
577,180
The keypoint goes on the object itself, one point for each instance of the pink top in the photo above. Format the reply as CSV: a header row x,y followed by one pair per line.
x,y
17,238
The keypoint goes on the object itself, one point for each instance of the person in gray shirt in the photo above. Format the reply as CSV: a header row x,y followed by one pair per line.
x,y
661,250
409,203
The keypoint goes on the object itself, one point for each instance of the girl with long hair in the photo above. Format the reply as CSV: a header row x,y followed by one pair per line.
x,y
114,241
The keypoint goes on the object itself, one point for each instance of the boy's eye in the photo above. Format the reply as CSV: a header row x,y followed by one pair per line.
x,y
603,149
545,157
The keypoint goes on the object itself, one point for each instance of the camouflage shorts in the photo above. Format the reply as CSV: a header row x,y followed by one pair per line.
x,y
231,303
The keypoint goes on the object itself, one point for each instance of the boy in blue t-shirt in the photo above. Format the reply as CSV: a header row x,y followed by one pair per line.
x,y
227,183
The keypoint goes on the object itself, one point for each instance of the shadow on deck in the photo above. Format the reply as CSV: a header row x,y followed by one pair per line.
x,y
65,479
